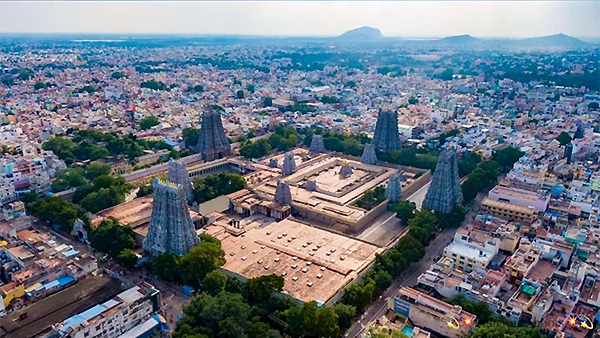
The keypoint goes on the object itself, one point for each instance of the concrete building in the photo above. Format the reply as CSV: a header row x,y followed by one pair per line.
x,y
113,318
435,315
508,211
521,197
472,250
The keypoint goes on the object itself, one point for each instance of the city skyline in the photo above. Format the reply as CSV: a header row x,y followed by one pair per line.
x,y
394,19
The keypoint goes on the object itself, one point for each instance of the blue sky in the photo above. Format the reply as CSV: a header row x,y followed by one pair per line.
x,y
308,18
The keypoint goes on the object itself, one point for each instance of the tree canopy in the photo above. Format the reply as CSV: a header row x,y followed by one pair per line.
x,y
507,157
216,185
148,122
112,238
201,260
564,138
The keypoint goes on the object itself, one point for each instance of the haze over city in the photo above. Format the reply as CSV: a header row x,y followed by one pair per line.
x,y
309,18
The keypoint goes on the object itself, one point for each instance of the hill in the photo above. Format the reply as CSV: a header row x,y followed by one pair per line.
x,y
460,39
362,33
557,40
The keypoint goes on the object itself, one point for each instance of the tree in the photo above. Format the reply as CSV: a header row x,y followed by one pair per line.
x,y
468,163
250,88
196,89
350,84
500,329
94,170
127,258
239,94
311,321
153,84
118,75
68,178
201,260
593,105
223,315
39,85
268,102
61,147
256,149
56,212
86,89
507,157
405,210
165,267
261,288
564,138
112,238
413,100
445,75
191,136
145,190
214,282
148,122
345,315
257,330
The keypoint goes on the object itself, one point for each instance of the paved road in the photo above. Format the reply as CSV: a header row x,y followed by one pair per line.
x,y
419,196
409,277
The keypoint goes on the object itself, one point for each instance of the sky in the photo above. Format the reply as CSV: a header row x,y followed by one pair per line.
x,y
306,18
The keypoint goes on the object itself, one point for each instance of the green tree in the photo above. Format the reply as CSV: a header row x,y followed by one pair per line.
x,y
148,122
350,84
87,89
345,315
56,212
61,147
214,282
145,190
405,210
257,330
507,157
239,94
153,84
593,105
39,85
500,329
468,163
564,138
256,149
165,267
413,100
191,136
95,169
68,178
196,89
127,258
250,88
445,75
201,260
112,238
268,102
311,321
261,288
118,75
223,315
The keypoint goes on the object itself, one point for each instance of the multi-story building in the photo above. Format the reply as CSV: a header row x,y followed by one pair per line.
x,y
472,252
113,317
435,315
520,197
508,211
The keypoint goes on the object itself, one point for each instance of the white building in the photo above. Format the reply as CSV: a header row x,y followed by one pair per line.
x,y
112,318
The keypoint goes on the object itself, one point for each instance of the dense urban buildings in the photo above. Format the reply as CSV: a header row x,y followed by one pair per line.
x,y
327,171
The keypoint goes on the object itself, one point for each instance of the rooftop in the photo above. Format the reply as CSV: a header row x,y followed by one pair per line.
x,y
295,250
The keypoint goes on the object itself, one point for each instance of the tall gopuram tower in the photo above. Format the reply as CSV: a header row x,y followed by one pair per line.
x,y
212,142
289,164
369,156
283,194
386,137
393,191
445,192
171,229
317,145
178,174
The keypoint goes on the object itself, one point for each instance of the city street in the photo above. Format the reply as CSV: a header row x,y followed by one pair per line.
x,y
409,277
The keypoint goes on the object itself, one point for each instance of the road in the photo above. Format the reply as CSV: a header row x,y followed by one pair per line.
x,y
419,196
409,277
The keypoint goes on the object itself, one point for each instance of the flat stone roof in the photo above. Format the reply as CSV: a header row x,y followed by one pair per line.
x,y
279,246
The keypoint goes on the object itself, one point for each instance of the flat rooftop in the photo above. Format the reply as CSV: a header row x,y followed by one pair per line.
x,y
508,206
42,314
517,193
329,260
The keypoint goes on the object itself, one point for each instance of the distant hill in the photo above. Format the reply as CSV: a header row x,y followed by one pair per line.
x,y
557,40
460,39
362,33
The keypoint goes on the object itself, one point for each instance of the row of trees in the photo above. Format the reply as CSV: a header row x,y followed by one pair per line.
x,y
282,139
413,157
94,145
344,143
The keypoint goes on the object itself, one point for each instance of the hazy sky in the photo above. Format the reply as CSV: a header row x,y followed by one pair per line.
x,y
436,18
